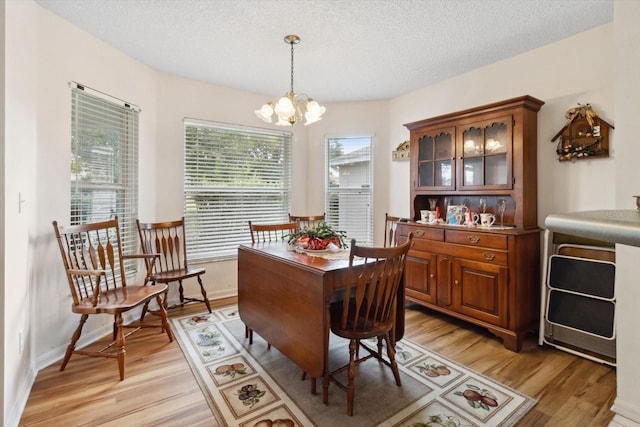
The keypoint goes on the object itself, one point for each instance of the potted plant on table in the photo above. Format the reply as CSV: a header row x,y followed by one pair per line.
x,y
319,238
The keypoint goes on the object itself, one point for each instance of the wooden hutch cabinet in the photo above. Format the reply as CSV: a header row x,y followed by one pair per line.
x,y
487,276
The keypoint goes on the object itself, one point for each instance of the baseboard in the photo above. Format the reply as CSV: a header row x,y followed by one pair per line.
x,y
12,419
627,414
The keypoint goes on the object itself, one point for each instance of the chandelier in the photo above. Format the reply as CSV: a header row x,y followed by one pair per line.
x,y
292,106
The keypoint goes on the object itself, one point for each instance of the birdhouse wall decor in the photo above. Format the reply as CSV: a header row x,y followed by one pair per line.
x,y
584,136
401,152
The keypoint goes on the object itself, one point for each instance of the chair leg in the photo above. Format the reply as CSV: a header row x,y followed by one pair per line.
x,y
145,308
204,294
181,291
391,353
325,388
120,342
74,339
351,374
163,317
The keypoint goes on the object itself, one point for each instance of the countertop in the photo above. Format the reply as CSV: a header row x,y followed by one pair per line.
x,y
615,226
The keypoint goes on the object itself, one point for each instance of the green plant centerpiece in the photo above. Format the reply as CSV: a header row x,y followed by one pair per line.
x,y
317,238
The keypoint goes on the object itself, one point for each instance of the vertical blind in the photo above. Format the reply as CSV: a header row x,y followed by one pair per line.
x,y
349,204
232,175
104,163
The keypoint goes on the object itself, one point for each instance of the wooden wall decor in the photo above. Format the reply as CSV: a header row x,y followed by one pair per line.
x,y
585,135
401,152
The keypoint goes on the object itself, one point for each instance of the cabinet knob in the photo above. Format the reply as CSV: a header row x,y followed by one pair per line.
x,y
488,255
474,239
420,233
432,276
456,282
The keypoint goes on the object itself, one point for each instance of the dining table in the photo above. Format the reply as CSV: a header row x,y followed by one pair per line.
x,y
284,296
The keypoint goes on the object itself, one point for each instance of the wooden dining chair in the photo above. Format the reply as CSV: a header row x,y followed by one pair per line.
x,y
261,233
95,268
168,239
271,232
309,221
390,224
367,310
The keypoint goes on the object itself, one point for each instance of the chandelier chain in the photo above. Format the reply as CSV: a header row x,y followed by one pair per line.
x,y
292,67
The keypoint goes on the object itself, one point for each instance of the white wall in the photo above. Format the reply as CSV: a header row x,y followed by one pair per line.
x,y
576,69
66,53
2,208
19,168
627,184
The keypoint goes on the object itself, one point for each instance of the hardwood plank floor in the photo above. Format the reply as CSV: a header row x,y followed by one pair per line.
x,y
159,389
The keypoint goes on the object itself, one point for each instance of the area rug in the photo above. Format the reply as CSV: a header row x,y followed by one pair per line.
x,y
252,385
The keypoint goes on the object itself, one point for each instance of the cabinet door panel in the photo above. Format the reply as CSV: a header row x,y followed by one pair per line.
x,y
425,174
419,277
481,291
433,166
485,157
444,287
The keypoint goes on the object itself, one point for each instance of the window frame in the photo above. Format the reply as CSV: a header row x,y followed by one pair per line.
x,y
117,122
213,232
367,218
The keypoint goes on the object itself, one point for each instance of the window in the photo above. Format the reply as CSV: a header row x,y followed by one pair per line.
x,y
349,204
232,175
104,162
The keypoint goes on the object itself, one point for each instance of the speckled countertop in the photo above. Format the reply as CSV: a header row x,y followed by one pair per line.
x,y
616,226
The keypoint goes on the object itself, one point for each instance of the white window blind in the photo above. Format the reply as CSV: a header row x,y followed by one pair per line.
x,y
104,163
349,204
232,175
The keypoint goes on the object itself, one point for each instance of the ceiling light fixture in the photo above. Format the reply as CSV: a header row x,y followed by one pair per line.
x,y
293,106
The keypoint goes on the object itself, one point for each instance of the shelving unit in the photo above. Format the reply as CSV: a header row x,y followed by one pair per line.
x,y
486,276
577,310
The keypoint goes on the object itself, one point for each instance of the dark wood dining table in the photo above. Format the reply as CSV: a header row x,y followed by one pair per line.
x,y
284,297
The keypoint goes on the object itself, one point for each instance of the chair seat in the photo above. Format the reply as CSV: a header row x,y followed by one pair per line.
x,y
174,275
119,300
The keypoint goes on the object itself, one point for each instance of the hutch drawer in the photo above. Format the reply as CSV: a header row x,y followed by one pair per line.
x,y
474,238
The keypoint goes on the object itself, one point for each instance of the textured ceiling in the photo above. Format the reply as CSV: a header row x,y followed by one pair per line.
x,y
350,49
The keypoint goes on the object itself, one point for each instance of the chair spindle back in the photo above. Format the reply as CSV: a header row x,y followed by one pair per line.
x,y
372,286
261,233
167,239
390,224
92,256
309,221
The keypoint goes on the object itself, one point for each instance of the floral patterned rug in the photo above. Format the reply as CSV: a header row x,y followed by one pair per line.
x,y
256,386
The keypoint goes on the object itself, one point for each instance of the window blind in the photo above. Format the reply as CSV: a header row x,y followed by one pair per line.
x,y
104,163
232,175
349,203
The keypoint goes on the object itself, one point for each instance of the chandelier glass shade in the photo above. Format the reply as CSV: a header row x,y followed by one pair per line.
x,y
292,107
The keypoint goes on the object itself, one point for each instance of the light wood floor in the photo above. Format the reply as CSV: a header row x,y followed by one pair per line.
x,y
159,389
